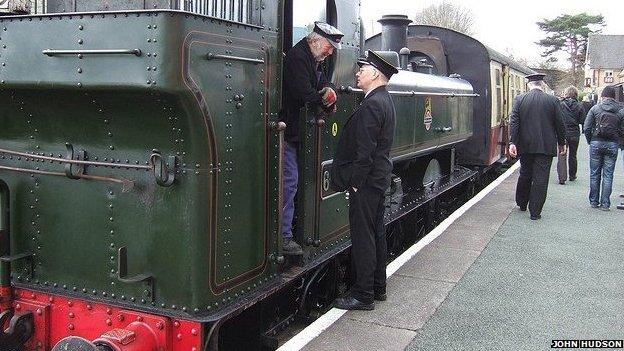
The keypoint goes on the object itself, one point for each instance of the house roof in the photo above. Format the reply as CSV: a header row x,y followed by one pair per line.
x,y
605,51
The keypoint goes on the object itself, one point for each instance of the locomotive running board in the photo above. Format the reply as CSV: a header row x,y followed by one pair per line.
x,y
410,201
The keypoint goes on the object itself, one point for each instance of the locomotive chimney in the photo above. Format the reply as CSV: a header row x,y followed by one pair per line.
x,y
394,32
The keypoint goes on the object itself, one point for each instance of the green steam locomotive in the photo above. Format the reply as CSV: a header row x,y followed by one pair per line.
x,y
140,154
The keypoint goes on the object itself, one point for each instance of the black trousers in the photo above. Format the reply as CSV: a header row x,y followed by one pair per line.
x,y
368,243
533,181
570,167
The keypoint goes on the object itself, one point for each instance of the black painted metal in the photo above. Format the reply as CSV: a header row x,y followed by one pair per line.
x,y
411,200
75,343
55,52
21,328
394,32
5,242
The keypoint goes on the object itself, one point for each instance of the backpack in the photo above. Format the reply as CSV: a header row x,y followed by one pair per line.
x,y
607,125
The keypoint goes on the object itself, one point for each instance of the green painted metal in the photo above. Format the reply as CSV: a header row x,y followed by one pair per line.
x,y
202,90
207,238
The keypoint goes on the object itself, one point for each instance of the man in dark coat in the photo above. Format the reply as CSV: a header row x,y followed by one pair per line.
x,y
362,166
573,117
537,131
304,82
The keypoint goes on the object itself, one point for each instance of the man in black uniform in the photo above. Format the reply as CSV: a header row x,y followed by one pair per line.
x,y
537,131
362,166
304,83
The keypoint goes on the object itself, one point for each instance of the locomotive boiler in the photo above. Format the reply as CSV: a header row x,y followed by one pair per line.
x,y
140,166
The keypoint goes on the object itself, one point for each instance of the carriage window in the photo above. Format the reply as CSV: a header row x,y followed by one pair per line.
x,y
499,94
512,86
233,10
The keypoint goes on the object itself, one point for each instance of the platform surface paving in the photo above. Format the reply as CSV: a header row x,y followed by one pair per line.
x,y
495,280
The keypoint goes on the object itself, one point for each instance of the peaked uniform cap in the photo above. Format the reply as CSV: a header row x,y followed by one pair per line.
x,y
535,77
373,59
329,32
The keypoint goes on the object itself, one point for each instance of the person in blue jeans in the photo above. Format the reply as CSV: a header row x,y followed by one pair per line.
x,y
603,128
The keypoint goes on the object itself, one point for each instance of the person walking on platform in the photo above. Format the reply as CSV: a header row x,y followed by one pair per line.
x,y
362,166
573,116
536,132
604,129
304,82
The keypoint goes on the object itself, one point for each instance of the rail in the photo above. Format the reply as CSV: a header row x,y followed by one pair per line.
x,y
55,52
350,89
279,128
163,172
211,56
237,11
233,10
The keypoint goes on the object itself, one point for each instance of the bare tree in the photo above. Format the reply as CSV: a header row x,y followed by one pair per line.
x,y
447,15
509,52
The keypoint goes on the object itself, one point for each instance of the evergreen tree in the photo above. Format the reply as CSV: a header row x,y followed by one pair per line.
x,y
569,33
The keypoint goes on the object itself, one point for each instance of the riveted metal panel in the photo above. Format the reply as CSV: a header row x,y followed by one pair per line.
x,y
171,98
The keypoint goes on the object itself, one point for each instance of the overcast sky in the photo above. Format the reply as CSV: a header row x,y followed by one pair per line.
x,y
505,26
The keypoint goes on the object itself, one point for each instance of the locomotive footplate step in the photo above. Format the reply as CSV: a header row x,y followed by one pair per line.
x,y
495,280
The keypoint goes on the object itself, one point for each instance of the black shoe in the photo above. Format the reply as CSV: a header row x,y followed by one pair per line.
x,y
351,303
572,179
381,297
620,206
562,182
536,217
522,208
291,247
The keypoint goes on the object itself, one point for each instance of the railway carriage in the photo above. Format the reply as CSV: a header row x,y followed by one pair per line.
x,y
140,169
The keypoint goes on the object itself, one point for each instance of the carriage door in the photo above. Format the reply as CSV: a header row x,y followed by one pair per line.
x,y
507,101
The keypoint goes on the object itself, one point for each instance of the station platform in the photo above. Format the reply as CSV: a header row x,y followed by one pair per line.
x,y
492,279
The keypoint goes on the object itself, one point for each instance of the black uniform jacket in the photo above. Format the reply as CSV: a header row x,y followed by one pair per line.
x,y
363,152
536,123
302,82
573,117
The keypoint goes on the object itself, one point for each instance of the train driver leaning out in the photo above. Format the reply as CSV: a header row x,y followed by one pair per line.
x,y
362,166
304,83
